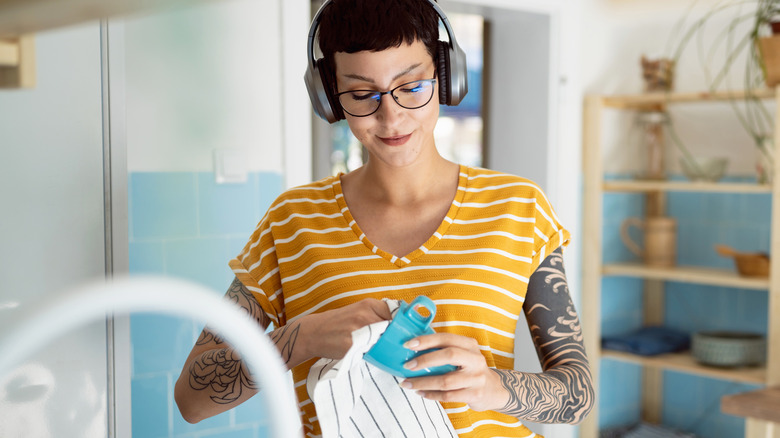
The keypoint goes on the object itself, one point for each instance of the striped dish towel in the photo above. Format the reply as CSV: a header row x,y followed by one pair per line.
x,y
355,399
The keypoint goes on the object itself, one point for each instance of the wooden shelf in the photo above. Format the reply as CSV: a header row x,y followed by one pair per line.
x,y
685,186
684,362
763,404
641,101
686,274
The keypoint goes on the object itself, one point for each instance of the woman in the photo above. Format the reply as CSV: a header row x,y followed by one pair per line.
x,y
484,246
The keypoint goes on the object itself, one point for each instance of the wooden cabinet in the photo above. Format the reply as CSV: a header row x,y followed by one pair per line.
x,y
594,269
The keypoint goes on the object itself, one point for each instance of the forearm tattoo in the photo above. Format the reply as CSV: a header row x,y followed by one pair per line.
x,y
563,392
221,369
239,295
285,338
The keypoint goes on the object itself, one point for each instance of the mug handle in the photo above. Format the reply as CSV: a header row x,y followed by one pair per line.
x,y
421,301
626,237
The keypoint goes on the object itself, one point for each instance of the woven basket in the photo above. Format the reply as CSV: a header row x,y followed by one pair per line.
x,y
729,349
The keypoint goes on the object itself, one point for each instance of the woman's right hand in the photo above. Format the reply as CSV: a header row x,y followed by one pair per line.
x,y
329,334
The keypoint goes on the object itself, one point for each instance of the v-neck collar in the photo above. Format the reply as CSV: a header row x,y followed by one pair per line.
x,y
463,178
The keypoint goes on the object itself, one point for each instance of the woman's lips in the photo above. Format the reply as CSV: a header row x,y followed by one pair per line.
x,y
395,141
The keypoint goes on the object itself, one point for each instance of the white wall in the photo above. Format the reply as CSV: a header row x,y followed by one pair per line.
x,y
204,78
519,104
51,197
614,36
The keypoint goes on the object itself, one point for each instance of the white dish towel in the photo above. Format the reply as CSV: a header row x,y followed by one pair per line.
x,y
356,399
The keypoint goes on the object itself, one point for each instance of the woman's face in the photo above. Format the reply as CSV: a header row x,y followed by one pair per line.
x,y
393,135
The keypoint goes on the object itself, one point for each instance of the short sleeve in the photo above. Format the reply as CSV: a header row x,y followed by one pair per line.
x,y
549,234
257,267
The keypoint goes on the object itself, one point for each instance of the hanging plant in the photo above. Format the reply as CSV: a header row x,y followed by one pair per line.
x,y
748,34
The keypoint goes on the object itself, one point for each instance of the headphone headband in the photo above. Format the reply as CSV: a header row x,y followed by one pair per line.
x,y
453,84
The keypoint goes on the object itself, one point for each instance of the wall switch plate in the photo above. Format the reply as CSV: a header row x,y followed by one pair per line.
x,y
230,166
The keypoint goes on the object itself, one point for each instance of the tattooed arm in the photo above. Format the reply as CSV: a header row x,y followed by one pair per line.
x,y
214,379
562,393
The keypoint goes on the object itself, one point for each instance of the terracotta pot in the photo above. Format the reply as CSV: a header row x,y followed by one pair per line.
x,y
769,47
775,25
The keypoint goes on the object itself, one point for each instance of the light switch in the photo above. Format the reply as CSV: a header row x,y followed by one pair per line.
x,y
230,166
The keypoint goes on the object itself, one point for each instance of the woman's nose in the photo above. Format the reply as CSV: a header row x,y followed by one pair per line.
x,y
389,108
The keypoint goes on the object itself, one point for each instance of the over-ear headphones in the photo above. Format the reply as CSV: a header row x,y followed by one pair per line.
x,y
451,72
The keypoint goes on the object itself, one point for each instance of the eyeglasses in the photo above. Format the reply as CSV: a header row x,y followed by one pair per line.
x,y
411,95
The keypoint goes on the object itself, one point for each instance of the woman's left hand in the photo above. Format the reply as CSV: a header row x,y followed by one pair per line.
x,y
472,383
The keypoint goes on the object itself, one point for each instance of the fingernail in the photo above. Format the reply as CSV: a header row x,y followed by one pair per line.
x,y
411,364
411,344
406,384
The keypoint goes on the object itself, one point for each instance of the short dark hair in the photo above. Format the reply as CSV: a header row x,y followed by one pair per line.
x,y
352,26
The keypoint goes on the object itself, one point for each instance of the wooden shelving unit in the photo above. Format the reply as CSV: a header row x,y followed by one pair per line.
x,y
594,269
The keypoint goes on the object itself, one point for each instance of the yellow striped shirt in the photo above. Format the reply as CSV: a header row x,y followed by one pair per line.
x,y
309,255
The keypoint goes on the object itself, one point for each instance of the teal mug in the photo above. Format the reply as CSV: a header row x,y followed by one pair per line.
x,y
389,354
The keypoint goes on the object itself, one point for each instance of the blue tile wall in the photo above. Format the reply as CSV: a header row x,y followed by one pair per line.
x,y
690,402
160,343
195,259
183,224
150,412
163,205
621,305
695,405
620,394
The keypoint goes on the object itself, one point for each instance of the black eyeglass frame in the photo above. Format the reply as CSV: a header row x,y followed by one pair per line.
x,y
432,81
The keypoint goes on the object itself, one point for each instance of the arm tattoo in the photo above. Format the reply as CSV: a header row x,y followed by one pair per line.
x,y
239,295
563,392
221,369
223,372
285,338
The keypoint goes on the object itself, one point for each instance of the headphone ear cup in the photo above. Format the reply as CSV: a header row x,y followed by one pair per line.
x,y
317,94
328,83
443,72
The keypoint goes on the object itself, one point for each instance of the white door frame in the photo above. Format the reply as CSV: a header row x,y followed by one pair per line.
x,y
115,166
564,154
565,110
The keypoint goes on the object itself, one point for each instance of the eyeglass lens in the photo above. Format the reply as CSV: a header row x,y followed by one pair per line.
x,y
411,95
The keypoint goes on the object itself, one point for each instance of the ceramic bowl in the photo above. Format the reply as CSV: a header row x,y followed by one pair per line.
x,y
704,169
729,349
